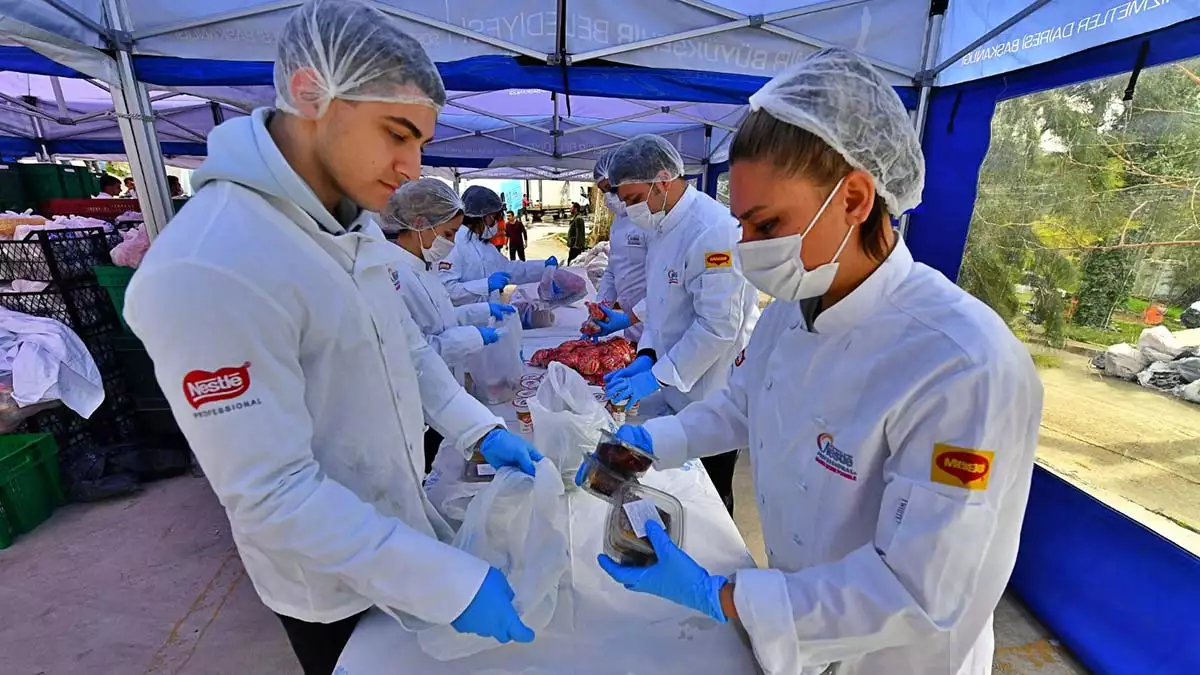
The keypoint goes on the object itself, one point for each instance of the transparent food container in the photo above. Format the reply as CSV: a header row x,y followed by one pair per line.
x,y
477,469
598,480
625,459
626,518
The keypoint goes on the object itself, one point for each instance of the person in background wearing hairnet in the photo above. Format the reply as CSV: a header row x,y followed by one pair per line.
x,y
699,310
423,215
475,268
892,418
623,284
272,313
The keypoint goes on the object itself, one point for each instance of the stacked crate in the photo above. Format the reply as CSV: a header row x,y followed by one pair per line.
x,y
64,259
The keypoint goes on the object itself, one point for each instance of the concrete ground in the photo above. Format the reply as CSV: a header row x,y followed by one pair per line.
x,y
152,585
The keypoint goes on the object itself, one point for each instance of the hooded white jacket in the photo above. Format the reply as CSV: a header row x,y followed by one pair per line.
x,y
892,447
299,380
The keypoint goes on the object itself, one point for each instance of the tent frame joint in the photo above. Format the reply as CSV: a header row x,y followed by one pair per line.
x,y
757,20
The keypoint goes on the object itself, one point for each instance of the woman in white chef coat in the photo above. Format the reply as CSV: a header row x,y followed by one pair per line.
x,y
624,281
475,268
423,215
891,417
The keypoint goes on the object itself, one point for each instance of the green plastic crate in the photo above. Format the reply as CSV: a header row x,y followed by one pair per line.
x,y
76,181
115,280
43,181
12,191
30,488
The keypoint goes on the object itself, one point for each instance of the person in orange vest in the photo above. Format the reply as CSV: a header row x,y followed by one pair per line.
x,y
500,240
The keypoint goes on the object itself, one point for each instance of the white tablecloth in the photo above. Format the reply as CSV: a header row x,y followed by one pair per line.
x,y
599,627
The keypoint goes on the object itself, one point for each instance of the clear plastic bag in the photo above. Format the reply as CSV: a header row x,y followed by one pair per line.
x,y
496,369
446,487
560,287
517,524
567,418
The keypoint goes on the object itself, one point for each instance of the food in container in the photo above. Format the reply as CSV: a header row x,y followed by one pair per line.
x,y
598,480
627,460
477,469
632,505
523,415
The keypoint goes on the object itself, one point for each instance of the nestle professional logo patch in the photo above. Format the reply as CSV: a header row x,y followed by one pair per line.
x,y
835,460
201,386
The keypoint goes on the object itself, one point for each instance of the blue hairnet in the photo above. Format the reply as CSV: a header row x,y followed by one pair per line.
x,y
479,201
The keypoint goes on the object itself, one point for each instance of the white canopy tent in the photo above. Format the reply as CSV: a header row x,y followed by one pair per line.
x,y
538,87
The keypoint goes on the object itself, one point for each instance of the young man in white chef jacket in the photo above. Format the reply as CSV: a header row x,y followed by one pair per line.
x,y
282,342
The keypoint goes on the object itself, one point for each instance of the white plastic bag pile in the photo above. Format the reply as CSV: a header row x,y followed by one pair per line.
x,y
60,223
594,262
567,419
518,524
1159,362
44,361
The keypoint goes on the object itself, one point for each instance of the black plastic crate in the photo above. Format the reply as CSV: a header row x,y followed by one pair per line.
x,y
85,308
59,256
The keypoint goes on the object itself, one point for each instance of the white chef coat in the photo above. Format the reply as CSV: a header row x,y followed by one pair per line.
x,y
699,310
624,280
466,270
309,381
878,559
451,331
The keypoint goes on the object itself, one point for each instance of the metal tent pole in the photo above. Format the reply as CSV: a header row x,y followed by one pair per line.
x,y
135,117
932,40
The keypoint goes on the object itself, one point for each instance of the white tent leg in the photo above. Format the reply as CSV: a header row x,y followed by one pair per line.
x,y
135,117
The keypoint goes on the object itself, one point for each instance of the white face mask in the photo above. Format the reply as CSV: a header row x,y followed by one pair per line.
x,y
643,217
774,267
439,249
614,204
489,231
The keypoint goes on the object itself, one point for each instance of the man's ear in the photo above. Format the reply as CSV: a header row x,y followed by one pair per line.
x,y
308,93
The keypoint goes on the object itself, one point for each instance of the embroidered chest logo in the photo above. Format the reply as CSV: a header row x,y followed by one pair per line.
x,y
672,276
833,459
444,266
202,387
395,278
634,239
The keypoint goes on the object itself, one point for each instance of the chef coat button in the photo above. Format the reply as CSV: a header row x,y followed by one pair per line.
x,y
762,501
804,486
769,384
770,552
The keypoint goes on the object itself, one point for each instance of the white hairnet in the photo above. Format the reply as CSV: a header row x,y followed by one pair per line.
x,y
420,205
479,201
644,159
356,53
847,103
600,171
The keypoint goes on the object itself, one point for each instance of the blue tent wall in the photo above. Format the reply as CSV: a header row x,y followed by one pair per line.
x,y
959,126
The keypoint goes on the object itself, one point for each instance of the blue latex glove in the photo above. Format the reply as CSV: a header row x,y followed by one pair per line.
x,y
675,577
490,335
498,281
641,364
613,321
633,389
491,613
503,448
551,262
498,310
636,436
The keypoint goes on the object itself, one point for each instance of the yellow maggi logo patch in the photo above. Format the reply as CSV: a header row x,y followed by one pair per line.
x,y
961,467
718,259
